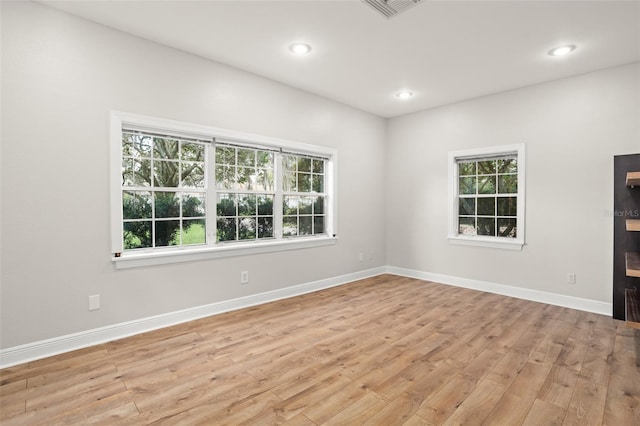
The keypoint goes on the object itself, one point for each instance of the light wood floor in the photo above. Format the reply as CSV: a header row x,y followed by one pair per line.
x,y
382,351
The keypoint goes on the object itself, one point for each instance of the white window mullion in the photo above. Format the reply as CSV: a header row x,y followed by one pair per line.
x,y
211,195
180,194
330,189
278,197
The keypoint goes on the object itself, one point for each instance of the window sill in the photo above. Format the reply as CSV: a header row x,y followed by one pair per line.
x,y
491,242
162,257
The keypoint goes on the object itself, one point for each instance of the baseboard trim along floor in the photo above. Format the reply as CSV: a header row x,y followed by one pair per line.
x,y
580,304
57,345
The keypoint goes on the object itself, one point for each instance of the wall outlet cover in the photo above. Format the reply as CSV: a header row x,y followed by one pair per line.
x,y
94,302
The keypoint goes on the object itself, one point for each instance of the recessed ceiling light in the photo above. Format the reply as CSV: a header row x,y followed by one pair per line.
x,y
404,94
300,48
562,50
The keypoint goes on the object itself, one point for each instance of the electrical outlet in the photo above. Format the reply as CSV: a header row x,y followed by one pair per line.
x,y
361,257
244,277
94,302
571,278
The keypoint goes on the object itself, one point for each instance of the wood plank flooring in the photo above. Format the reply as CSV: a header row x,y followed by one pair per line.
x,y
382,351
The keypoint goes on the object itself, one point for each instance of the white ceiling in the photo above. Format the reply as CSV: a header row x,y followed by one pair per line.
x,y
442,50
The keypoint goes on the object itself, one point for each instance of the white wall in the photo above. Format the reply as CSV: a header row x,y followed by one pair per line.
x,y
60,78
572,128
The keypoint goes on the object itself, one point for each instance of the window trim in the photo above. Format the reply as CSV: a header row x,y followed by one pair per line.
x,y
478,240
119,119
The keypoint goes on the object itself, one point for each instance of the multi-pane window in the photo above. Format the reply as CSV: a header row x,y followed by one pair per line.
x,y
487,197
183,192
303,195
245,193
163,191
254,193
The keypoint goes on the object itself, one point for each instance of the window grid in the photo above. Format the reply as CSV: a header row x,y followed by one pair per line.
x,y
487,197
163,191
245,194
304,197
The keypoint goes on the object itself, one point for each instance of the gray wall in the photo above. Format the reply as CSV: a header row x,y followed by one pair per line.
x,y
60,78
572,128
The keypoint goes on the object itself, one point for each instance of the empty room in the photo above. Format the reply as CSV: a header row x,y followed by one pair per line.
x,y
315,212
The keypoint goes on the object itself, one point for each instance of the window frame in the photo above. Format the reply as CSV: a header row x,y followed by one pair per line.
x,y
211,249
453,235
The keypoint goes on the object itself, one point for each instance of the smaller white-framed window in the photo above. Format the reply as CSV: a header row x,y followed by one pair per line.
x,y
487,197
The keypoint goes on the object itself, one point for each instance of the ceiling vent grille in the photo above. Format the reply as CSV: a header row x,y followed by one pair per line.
x,y
390,8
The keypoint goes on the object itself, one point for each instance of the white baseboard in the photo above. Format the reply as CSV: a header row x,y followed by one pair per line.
x,y
57,345
506,290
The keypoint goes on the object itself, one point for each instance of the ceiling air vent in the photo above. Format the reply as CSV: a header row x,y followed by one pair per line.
x,y
390,8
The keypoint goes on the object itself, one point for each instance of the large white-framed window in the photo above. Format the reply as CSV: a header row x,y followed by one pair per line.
x,y
487,196
182,191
